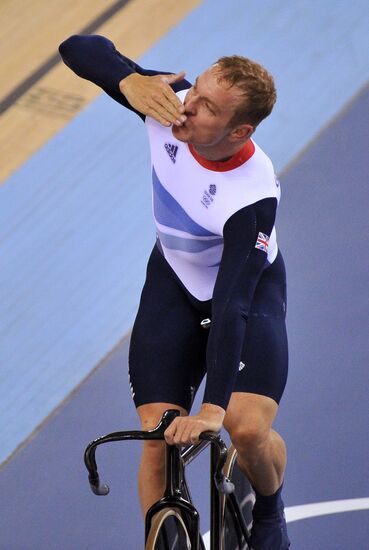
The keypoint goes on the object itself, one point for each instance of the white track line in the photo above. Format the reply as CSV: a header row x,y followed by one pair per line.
x,y
303,511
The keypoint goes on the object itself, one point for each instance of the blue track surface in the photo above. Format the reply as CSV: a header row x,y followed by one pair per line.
x,y
75,220
45,499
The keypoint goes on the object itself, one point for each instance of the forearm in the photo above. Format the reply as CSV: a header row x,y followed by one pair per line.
x,y
241,267
95,58
223,356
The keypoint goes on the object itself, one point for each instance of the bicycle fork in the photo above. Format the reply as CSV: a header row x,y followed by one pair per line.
x,y
173,497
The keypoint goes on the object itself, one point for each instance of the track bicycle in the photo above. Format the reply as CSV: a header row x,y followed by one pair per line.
x,y
173,522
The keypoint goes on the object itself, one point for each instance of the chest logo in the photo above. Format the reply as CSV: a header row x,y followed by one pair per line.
x,y
208,195
172,151
262,242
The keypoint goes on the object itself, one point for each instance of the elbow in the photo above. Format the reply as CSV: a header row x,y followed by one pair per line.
x,y
84,47
69,44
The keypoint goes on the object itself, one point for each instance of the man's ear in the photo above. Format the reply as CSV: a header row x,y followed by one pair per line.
x,y
241,132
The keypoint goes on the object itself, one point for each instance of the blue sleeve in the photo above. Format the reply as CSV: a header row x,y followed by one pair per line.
x,y
240,269
95,58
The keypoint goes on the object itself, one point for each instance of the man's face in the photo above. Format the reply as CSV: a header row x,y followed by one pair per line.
x,y
209,107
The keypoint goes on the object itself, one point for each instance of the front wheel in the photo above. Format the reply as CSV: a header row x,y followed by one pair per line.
x,y
168,532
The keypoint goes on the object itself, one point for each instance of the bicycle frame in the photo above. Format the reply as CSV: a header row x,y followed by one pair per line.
x,y
176,492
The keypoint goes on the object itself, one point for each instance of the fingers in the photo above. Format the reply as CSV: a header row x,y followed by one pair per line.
x,y
153,96
172,105
165,110
183,431
173,102
170,100
173,78
160,114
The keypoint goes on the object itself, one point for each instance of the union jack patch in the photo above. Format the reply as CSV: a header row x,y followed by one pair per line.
x,y
262,242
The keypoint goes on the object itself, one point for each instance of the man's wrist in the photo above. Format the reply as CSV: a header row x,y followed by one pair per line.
x,y
127,80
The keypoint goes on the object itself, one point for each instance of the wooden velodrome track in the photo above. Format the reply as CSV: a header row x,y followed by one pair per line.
x,y
38,96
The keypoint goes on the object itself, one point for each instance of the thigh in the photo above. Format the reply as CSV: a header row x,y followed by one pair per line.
x,y
264,360
168,345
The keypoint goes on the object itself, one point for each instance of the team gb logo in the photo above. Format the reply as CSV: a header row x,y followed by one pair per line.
x,y
207,197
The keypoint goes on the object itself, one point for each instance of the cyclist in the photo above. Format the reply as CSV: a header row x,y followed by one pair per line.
x,y
215,197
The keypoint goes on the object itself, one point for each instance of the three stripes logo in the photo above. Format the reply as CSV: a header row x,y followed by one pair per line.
x,y
131,385
172,151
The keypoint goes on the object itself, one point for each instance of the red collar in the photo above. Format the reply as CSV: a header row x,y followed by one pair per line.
x,y
234,162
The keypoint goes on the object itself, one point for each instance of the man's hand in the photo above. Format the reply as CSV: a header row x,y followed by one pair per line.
x,y
185,430
153,96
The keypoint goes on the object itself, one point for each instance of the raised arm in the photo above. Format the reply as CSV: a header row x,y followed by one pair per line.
x,y
146,92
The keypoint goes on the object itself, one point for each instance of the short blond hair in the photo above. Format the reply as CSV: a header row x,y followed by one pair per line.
x,y
255,83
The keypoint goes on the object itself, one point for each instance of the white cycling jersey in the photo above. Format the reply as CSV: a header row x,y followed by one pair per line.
x,y
193,198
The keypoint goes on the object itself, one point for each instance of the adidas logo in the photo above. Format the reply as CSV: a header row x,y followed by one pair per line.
x,y
172,151
241,366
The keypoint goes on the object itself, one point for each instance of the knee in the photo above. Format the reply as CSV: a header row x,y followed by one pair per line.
x,y
153,454
250,439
